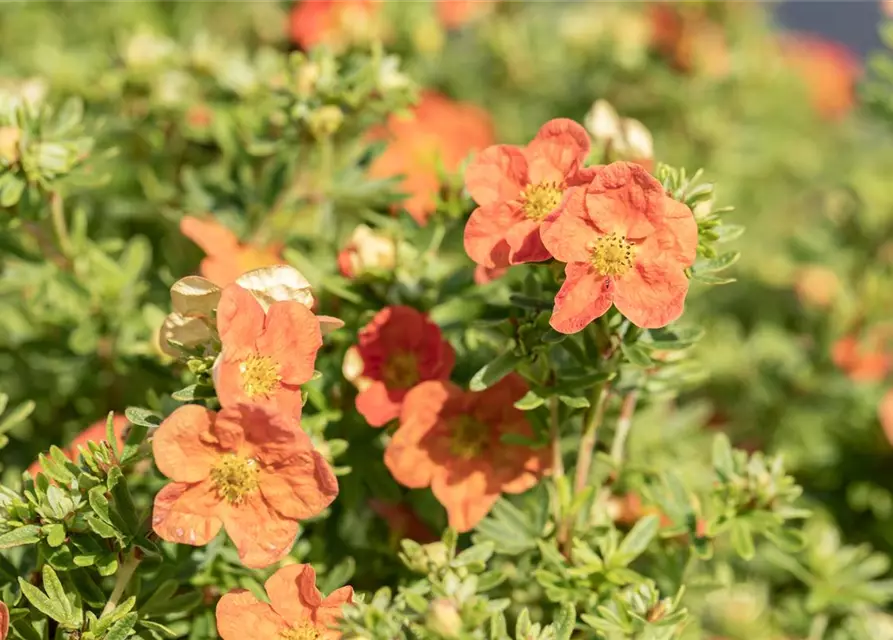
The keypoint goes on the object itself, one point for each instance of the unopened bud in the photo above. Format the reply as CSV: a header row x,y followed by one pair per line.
x,y
602,122
444,619
639,145
308,75
326,120
9,144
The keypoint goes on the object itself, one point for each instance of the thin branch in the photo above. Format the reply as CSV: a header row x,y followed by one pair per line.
x,y
125,573
590,435
624,422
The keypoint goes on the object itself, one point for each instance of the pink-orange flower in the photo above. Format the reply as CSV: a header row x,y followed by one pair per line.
x,y
266,357
830,72
297,610
865,359
626,243
246,469
400,347
817,286
455,13
336,23
227,258
450,440
517,187
94,433
403,521
483,275
4,621
439,133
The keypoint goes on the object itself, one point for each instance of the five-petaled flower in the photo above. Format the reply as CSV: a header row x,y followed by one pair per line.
x,y
450,440
247,469
864,358
297,610
625,243
337,23
400,348
517,187
266,357
227,258
438,134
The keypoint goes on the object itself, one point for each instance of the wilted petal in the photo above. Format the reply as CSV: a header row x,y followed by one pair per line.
x,y
277,284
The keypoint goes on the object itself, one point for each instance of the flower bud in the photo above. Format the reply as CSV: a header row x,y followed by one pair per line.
x,y
326,120
9,144
444,619
366,251
602,122
307,77
638,144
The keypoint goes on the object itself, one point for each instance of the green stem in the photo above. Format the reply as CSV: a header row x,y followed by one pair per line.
x,y
555,437
624,422
818,627
590,435
60,227
125,573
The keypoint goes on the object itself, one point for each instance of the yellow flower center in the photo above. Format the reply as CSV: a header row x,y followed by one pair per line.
x,y
612,255
259,376
304,631
401,371
235,477
468,437
539,200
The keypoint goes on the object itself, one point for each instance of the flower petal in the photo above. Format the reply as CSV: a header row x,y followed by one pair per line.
x,y
557,151
497,174
408,462
584,296
328,324
190,332
261,535
567,231
378,404
186,513
4,621
272,436
485,233
331,610
302,487
292,337
240,615
240,321
675,237
525,243
624,198
193,296
467,498
178,448
213,237
293,593
277,284
652,294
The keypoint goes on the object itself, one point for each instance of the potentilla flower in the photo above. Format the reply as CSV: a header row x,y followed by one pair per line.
x,y
400,348
455,13
366,250
337,23
246,469
450,439
830,72
4,621
227,258
402,521
863,359
94,433
266,356
517,187
483,275
297,610
817,286
626,243
438,134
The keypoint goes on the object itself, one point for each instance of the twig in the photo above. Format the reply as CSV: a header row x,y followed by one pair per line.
x,y
125,573
624,422
555,437
590,434
60,227
818,627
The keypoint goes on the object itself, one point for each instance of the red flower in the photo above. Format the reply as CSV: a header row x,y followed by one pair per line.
x,y
455,13
450,440
829,69
626,243
333,22
266,357
439,133
403,521
863,360
297,610
94,433
517,187
399,348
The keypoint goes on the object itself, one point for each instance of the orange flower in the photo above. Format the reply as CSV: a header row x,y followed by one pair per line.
x,y
297,610
4,621
517,187
450,440
829,70
336,23
863,360
266,357
399,348
246,469
626,243
227,258
403,521
885,415
689,39
439,133
483,275
94,433
817,286
455,13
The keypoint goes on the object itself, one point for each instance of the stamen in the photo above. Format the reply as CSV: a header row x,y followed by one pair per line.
x,y
401,371
259,376
235,477
468,437
304,631
612,255
539,200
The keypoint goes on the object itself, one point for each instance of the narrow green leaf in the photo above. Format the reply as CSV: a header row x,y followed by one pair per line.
x,y
565,620
742,539
638,539
29,534
42,603
17,415
723,462
636,355
529,401
122,628
575,402
494,371
56,593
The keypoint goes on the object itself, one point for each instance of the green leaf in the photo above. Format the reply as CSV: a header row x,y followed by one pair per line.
x,y
721,262
102,529
56,593
494,371
17,415
47,606
142,417
478,553
193,392
565,620
728,232
122,628
55,534
124,506
723,462
636,355
742,539
498,628
110,436
706,278
29,534
529,401
577,402
638,539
